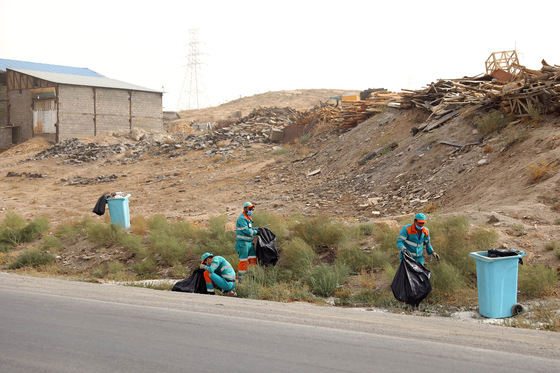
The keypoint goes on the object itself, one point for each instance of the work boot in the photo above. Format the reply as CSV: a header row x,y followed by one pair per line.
x,y
230,293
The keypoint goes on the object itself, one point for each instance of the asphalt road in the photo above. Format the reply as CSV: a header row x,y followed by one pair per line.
x,y
49,325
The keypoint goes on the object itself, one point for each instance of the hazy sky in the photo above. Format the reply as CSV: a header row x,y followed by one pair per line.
x,y
250,47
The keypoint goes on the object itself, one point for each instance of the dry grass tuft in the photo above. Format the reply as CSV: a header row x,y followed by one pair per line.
x,y
542,170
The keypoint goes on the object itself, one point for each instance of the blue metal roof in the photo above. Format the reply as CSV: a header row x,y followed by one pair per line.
x,y
34,66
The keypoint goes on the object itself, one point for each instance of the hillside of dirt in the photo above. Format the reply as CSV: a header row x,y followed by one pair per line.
x,y
377,170
300,99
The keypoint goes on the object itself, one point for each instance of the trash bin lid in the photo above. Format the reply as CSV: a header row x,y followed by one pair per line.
x,y
483,255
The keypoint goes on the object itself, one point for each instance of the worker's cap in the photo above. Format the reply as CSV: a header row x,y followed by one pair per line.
x,y
248,204
206,256
421,218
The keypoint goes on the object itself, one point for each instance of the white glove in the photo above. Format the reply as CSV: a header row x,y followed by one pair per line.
x,y
436,255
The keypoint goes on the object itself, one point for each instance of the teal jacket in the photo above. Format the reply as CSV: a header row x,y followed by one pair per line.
x,y
244,228
410,239
222,268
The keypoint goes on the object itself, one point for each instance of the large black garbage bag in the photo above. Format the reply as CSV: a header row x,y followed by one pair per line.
x,y
193,284
267,254
412,281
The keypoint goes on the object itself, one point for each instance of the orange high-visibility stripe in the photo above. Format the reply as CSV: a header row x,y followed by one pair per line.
x,y
243,263
252,261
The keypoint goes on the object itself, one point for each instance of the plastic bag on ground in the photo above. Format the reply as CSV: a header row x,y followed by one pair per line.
x,y
267,254
194,284
411,283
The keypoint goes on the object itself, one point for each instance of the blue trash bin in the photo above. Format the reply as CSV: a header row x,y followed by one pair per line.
x,y
497,284
119,211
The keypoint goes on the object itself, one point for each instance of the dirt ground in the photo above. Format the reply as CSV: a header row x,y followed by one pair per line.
x,y
322,175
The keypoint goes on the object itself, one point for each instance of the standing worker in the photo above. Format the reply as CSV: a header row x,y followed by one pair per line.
x,y
414,237
244,244
218,273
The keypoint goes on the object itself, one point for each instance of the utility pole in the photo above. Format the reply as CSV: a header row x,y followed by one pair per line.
x,y
193,92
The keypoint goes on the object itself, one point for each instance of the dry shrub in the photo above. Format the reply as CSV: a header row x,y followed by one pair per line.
x,y
366,279
542,170
139,225
537,281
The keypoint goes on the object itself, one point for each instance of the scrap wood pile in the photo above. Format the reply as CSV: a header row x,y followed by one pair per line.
x,y
351,113
275,116
516,90
321,115
355,112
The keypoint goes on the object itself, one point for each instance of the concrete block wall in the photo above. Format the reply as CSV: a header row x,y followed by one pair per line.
x,y
147,110
5,136
3,105
21,113
75,111
112,110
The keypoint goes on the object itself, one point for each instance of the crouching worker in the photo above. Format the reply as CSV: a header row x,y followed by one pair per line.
x,y
218,274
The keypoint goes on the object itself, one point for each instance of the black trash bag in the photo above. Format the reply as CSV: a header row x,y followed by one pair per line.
x,y
194,284
412,281
495,253
267,254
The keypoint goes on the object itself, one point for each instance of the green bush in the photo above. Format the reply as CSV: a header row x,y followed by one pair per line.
x,y
320,231
100,271
450,239
287,292
354,258
493,121
357,259
276,224
366,229
536,281
249,288
116,271
324,279
389,271
147,268
298,256
104,235
75,230
552,245
265,276
32,258
15,231
386,237
446,280
215,239
52,243
482,239
13,221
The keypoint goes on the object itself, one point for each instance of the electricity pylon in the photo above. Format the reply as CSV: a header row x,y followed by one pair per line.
x,y
193,93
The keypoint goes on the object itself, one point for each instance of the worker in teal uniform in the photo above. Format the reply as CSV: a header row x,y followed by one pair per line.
x,y
244,244
414,238
218,274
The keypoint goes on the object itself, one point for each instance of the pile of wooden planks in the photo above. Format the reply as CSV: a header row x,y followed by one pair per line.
x,y
525,92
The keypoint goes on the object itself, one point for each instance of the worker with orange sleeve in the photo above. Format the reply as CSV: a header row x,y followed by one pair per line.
x,y
414,238
218,273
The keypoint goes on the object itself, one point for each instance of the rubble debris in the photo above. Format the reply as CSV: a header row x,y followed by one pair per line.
x,y
29,175
387,148
78,180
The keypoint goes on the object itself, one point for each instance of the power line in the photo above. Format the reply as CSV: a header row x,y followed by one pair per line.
x,y
193,93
